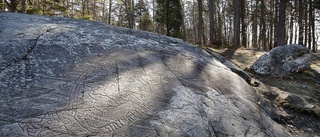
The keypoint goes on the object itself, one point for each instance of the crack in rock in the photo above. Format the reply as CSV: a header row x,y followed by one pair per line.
x,y
31,48
25,57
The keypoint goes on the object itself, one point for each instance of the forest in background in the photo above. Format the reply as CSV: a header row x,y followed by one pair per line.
x,y
257,24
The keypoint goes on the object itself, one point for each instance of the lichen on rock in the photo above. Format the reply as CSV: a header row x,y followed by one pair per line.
x,y
283,61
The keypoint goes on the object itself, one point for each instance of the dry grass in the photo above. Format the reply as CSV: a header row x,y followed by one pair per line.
x,y
304,85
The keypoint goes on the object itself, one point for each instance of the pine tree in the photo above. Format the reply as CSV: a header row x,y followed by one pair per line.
x,y
144,18
169,14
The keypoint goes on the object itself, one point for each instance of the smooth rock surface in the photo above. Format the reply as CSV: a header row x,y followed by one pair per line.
x,y
65,77
283,61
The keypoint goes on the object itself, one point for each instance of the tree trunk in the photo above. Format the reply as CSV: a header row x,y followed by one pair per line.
x,y
255,27
314,44
72,8
276,23
4,6
88,7
194,20
129,10
200,22
291,29
211,33
83,7
23,6
109,14
281,37
263,26
236,24
130,14
271,25
220,39
243,23
103,10
12,5
296,34
300,23
229,40
43,9
94,12
306,24
153,15
309,28
167,18
183,25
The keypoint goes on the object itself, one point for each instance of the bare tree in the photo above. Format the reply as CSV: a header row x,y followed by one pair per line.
x,y
236,24
291,22
271,39
275,23
255,25
281,37
200,22
312,24
110,10
263,26
305,17
300,41
23,6
243,23
211,31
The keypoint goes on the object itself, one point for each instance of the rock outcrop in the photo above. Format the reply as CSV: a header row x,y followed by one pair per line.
x,y
283,61
65,77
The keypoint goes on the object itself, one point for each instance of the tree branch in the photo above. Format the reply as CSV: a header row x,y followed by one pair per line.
x,y
30,2
8,4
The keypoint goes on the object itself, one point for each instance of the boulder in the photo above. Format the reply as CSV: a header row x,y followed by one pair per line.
x,y
66,77
283,61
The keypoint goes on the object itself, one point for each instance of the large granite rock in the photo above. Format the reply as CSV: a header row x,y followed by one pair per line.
x,y
283,61
65,77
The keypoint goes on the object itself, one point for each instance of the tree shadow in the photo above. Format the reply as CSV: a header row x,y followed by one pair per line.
x,y
229,53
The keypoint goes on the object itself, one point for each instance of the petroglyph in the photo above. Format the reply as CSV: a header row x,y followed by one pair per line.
x,y
121,101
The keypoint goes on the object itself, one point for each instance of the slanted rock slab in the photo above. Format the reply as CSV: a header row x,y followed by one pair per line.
x,y
66,77
283,61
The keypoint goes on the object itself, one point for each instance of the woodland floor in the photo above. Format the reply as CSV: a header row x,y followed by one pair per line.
x,y
296,98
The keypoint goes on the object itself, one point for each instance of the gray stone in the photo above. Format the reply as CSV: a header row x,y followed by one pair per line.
x,y
283,61
66,77
234,68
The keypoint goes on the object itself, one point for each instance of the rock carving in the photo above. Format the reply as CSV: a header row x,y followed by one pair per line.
x,y
66,77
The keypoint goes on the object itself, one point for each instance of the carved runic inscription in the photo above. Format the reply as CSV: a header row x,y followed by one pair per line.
x,y
125,120
102,100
